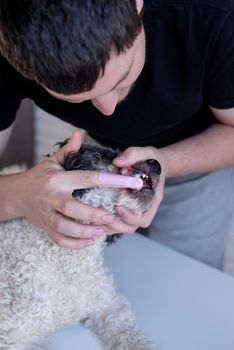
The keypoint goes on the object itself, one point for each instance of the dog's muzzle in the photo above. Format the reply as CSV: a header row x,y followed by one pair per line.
x,y
145,171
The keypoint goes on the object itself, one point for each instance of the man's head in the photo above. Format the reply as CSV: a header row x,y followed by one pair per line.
x,y
118,77
65,45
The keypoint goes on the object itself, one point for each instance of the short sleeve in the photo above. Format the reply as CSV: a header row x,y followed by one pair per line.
x,y
10,94
219,84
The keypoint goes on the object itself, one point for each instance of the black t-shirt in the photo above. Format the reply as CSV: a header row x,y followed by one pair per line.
x,y
189,66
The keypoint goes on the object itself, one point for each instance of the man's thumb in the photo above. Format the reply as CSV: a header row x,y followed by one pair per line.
x,y
73,145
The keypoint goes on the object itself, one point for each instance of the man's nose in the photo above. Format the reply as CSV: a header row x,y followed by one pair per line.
x,y
106,103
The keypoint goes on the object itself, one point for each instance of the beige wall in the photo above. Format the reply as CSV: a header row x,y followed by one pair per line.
x,y
48,131
20,147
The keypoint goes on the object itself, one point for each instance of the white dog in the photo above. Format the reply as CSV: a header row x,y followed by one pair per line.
x,y
44,287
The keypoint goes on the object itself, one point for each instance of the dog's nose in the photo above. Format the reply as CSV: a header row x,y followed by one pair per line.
x,y
154,166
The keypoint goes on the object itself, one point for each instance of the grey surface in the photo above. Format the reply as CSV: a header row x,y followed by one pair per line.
x,y
180,303
195,215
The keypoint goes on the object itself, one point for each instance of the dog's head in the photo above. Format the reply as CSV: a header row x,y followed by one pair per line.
x,y
94,157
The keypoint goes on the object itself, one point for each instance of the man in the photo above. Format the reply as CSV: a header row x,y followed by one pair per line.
x,y
162,90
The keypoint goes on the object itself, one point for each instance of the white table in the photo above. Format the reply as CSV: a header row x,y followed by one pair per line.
x,y
180,303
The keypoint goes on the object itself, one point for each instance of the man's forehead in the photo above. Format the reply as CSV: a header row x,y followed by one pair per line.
x,y
117,70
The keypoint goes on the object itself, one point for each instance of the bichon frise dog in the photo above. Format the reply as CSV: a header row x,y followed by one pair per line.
x,y
44,287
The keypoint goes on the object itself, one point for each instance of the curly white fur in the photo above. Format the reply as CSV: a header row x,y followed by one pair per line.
x,y
44,287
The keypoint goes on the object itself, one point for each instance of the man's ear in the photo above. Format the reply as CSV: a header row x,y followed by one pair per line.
x,y
139,5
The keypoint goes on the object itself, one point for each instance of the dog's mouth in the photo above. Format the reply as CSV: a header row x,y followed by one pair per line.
x,y
135,172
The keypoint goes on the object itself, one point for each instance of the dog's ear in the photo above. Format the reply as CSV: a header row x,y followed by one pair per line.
x,y
111,239
62,143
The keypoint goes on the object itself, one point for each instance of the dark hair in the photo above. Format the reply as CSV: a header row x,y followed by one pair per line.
x,y
65,44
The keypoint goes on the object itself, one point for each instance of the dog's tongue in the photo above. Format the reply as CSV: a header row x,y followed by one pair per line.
x,y
122,181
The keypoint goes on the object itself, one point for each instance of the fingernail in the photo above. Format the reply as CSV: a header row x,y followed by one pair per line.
x,y
120,159
98,232
107,219
122,181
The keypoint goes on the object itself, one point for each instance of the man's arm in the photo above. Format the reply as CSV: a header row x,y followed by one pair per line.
x,y
43,194
5,182
210,150
4,138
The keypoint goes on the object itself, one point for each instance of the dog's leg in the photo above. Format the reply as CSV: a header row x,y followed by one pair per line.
x,y
116,328
17,346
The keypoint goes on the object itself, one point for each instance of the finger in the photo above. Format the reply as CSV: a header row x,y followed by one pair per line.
x,y
70,243
68,181
121,181
134,154
140,221
119,226
128,216
66,227
80,211
73,145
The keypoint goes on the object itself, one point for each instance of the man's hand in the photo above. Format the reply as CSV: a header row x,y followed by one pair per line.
x,y
43,195
131,155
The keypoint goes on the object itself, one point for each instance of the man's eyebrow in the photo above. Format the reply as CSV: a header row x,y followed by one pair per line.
x,y
124,76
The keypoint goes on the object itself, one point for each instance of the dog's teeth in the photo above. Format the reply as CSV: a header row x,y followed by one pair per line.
x,y
141,175
137,175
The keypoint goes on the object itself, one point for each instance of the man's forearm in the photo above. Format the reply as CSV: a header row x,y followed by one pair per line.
x,y
8,191
211,150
